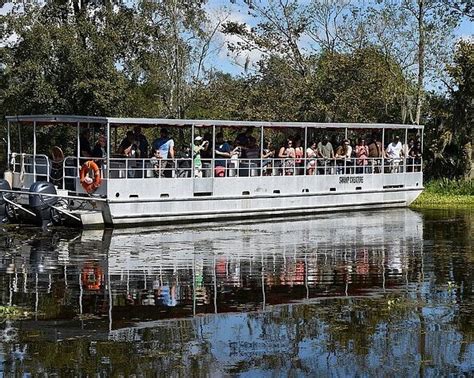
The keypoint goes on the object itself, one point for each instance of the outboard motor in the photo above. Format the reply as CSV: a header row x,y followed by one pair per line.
x,y
41,205
5,185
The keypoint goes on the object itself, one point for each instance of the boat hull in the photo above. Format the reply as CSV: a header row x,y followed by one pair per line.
x,y
260,197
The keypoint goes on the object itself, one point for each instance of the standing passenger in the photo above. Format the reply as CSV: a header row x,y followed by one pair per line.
x,y
242,139
394,154
268,154
141,141
222,151
299,156
165,145
362,153
100,150
375,153
287,153
311,155
326,151
84,145
198,147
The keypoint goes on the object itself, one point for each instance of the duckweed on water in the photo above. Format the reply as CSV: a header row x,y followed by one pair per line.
x,y
12,313
446,193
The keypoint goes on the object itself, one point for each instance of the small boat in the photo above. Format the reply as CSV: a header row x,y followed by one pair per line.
x,y
204,179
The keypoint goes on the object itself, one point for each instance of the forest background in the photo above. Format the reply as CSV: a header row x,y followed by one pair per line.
x,y
323,61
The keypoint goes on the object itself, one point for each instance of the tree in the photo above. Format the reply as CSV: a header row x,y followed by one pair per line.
x,y
449,131
62,60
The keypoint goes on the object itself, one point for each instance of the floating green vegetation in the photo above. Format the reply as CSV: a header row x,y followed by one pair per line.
x,y
446,193
13,313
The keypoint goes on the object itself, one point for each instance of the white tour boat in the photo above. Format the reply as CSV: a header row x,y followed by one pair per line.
x,y
245,179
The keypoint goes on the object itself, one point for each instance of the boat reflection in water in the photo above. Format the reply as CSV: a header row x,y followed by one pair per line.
x,y
313,295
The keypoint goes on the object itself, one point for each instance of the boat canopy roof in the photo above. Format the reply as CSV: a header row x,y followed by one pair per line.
x,y
152,122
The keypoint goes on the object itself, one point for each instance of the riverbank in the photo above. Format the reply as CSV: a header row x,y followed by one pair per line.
x,y
446,193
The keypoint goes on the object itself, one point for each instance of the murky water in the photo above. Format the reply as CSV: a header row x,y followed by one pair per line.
x,y
363,293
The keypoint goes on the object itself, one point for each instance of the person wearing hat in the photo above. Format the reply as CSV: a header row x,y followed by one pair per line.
x,y
165,145
394,154
199,145
343,155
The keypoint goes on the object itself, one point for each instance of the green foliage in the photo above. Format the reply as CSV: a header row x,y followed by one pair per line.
x,y
449,124
12,313
446,193
451,187
320,61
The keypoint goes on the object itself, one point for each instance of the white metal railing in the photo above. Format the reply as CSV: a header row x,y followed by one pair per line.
x,y
131,168
67,171
29,165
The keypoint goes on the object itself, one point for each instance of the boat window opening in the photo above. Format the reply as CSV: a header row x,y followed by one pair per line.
x,y
393,186
164,195
359,188
133,196
117,194
245,193
202,194
305,190
332,189
276,191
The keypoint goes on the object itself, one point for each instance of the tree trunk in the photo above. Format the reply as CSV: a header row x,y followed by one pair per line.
x,y
421,60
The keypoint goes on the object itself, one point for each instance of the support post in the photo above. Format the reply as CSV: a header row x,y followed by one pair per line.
x,y
213,150
383,151
405,157
107,170
9,150
192,152
78,144
305,146
34,150
261,150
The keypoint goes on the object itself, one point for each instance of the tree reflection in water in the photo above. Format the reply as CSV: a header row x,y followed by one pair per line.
x,y
355,294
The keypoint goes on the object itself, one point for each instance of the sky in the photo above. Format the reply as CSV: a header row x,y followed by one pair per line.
x,y
228,62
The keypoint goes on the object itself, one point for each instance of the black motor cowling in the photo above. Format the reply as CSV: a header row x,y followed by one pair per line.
x,y
41,205
5,185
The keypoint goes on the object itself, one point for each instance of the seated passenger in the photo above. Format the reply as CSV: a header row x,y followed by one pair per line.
x,y
415,155
100,148
268,154
252,154
253,150
129,147
343,155
183,162
156,162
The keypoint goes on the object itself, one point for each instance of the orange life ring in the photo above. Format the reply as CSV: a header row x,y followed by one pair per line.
x,y
91,277
87,183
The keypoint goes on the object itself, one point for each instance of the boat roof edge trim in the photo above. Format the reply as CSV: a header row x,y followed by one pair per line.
x,y
113,121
